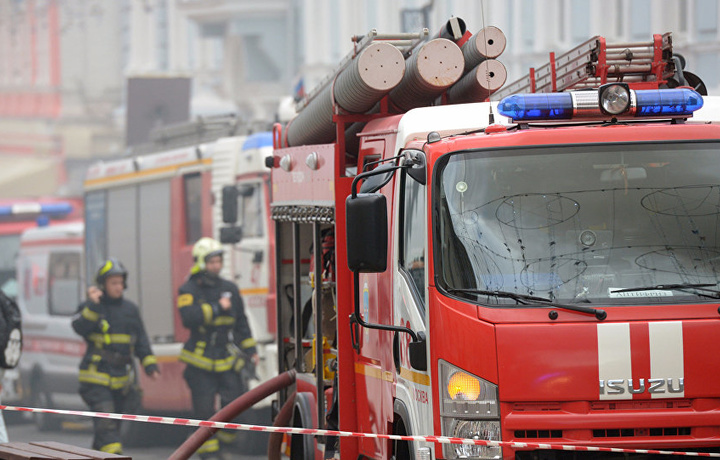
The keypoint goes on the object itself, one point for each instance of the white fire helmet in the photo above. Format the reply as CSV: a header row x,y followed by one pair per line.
x,y
203,249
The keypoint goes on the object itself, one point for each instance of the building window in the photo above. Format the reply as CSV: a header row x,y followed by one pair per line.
x,y
264,55
510,21
528,23
619,18
162,46
193,207
640,19
260,66
683,15
579,20
706,65
561,27
706,20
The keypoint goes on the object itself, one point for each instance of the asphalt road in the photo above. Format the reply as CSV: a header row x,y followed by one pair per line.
x,y
159,440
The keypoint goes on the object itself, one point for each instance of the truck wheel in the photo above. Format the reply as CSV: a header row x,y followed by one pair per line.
x,y
44,422
401,449
302,446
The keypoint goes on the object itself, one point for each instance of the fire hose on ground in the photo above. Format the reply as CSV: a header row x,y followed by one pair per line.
x,y
234,409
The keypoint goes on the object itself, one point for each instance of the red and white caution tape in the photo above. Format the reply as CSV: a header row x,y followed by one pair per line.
x,y
315,432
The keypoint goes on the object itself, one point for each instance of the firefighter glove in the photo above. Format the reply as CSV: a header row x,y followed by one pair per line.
x,y
150,369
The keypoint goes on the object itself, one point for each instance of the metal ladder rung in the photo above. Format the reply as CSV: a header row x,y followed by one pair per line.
x,y
583,66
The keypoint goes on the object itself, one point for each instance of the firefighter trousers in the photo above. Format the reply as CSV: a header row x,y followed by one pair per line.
x,y
204,386
100,398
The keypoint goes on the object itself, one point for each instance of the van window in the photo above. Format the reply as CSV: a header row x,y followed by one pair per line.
x,y
193,207
251,210
64,283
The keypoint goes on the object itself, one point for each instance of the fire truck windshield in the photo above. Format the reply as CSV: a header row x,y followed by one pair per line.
x,y
581,223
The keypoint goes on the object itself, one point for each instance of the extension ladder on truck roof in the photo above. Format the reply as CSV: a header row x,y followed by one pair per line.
x,y
644,65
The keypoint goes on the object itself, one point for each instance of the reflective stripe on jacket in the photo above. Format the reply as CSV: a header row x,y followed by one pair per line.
x,y
215,334
114,333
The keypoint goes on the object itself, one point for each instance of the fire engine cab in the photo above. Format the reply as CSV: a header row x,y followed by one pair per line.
x,y
541,265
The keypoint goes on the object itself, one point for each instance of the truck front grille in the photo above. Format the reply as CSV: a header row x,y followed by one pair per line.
x,y
538,434
632,432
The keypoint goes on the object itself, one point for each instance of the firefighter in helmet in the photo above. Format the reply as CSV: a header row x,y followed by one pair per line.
x,y
220,342
114,332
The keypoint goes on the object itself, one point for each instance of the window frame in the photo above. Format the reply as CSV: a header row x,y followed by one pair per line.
x,y
192,234
258,187
52,258
418,297
437,209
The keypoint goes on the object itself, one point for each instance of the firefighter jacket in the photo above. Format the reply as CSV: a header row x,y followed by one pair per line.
x,y
219,339
114,333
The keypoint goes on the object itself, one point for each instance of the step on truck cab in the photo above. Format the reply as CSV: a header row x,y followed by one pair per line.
x,y
540,269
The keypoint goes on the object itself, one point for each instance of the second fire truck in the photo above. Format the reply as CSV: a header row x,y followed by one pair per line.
x,y
150,209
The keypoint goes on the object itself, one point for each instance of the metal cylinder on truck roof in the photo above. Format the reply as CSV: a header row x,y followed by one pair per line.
x,y
429,71
370,76
486,78
488,43
453,30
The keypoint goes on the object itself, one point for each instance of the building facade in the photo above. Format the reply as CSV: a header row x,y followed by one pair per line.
x,y
64,64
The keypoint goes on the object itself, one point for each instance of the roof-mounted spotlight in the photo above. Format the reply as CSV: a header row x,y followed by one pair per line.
x,y
615,98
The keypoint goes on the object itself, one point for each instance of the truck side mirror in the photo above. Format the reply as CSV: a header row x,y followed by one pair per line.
x,y
379,178
367,233
230,235
418,167
229,204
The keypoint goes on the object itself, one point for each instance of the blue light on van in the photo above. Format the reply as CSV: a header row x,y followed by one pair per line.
x,y
49,209
56,209
529,107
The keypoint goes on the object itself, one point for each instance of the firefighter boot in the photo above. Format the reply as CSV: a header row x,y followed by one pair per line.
x,y
210,450
107,431
229,446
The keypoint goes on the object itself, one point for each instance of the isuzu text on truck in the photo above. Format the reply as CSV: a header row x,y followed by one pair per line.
x,y
541,269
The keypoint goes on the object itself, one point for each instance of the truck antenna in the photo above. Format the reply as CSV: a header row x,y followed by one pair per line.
x,y
491,116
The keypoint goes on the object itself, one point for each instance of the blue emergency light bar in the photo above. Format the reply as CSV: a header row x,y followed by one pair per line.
x,y
48,209
615,100
258,140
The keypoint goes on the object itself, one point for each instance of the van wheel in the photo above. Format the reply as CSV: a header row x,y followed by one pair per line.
x,y
45,422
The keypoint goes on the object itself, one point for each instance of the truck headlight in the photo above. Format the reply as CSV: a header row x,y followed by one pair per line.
x,y
468,409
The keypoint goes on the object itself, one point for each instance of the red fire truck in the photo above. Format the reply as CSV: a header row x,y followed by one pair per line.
x,y
538,268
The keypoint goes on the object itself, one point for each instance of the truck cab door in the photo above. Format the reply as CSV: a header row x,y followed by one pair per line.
x,y
410,299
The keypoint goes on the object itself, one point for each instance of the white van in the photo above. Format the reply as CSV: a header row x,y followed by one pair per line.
x,y
50,287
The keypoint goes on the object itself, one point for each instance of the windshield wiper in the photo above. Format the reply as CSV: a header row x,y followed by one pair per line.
x,y
525,299
685,287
